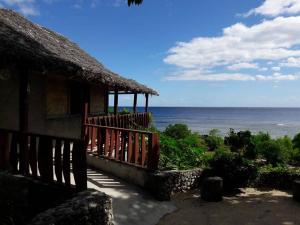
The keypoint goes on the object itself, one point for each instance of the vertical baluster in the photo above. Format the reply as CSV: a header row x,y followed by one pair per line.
x,y
45,159
58,161
112,143
153,152
107,142
66,162
136,147
117,144
13,156
79,165
143,150
33,156
100,139
4,150
129,148
24,154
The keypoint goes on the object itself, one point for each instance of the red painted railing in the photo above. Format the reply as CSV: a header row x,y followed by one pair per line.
x,y
134,147
138,121
49,158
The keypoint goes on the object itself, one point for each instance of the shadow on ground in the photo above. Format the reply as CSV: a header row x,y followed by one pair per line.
x,y
250,207
131,205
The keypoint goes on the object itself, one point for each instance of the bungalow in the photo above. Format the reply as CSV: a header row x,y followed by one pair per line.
x,y
54,106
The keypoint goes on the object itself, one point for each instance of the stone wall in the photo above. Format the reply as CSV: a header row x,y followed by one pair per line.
x,y
23,199
87,208
163,185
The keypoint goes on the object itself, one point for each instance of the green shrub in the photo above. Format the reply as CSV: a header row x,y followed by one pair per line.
x,y
235,170
214,140
238,142
256,146
177,131
296,141
280,177
278,152
184,153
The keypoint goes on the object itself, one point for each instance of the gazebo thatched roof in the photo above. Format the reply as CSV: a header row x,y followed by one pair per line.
x,y
24,41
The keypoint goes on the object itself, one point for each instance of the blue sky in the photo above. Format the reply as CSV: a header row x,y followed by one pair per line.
x,y
200,53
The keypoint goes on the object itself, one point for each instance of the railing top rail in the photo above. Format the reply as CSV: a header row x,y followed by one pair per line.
x,y
120,129
119,114
40,135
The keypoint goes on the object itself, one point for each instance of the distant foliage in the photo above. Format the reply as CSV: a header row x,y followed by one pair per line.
x,y
214,140
183,149
235,170
178,131
180,148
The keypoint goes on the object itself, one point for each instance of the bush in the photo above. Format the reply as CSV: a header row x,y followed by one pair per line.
x,y
177,131
235,170
180,150
281,177
278,152
214,140
238,142
256,145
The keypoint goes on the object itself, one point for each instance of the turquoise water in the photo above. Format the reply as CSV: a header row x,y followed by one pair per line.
x,y
276,121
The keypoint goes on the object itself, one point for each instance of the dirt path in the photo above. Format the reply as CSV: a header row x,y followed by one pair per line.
x,y
252,207
131,205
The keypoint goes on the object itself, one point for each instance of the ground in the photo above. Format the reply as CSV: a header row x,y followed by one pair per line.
x,y
131,204
251,207
134,206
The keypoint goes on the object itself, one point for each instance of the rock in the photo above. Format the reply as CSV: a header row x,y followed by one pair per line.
x,y
212,189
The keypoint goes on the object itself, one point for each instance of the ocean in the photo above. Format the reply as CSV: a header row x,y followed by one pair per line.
x,y
276,121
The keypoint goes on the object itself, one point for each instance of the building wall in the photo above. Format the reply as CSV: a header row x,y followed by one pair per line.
x,y
97,99
48,106
9,99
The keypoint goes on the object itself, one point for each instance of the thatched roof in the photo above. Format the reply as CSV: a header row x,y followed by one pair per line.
x,y
23,40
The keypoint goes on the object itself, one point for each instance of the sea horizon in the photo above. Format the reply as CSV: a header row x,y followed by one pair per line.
x,y
277,121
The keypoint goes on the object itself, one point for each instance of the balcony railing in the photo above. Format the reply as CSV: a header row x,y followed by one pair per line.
x,y
133,147
51,159
137,121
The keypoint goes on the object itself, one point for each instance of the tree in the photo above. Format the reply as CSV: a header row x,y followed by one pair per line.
x,y
135,2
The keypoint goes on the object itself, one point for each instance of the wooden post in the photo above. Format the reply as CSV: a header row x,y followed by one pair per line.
x,y
135,103
153,153
106,102
23,120
116,100
84,112
147,102
23,100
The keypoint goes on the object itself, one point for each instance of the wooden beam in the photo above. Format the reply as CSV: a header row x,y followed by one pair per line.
x,y
85,111
135,103
116,100
106,102
147,102
23,100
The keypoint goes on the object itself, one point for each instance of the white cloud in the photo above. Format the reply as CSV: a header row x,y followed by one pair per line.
x,y
274,8
239,46
269,40
291,62
189,75
26,7
245,65
276,68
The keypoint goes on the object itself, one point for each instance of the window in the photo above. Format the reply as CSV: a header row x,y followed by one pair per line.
x,y
76,96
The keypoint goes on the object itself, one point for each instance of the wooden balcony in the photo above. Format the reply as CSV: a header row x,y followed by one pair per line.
x,y
133,147
48,158
137,121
